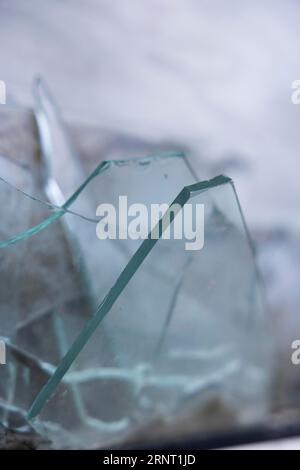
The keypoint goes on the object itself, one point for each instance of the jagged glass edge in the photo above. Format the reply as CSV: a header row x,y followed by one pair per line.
x,y
105,306
61,211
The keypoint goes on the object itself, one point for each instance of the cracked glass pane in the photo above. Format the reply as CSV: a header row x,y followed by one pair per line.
x,y
121,340
126,338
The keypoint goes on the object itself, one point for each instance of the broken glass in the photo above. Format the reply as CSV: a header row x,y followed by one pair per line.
x,y
122,339
172,326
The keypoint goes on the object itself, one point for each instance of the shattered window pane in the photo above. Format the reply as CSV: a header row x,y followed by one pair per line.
x,y
120,340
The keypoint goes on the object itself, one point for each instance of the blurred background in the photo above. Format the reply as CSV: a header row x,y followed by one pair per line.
x,y
212,78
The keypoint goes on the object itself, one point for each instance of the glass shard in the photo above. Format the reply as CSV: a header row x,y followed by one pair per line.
x,y
107,338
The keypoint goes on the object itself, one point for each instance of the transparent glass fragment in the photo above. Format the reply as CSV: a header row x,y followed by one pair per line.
x,y
111,341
